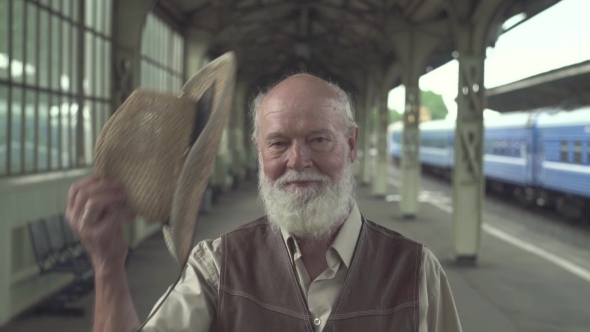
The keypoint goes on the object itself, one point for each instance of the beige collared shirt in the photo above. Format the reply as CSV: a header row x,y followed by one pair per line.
x,y
192,305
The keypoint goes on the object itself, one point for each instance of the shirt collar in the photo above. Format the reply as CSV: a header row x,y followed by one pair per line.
x,y
344,243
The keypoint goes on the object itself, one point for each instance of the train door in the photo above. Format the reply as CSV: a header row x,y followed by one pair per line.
x,y
527,148
537,153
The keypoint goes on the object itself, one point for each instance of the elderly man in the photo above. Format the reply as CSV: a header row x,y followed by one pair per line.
x,y
312,264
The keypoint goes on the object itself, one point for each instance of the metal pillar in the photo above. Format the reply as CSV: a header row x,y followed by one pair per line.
x,y
468,179
384,84
367,131
413,47
410,161
128,20
237,133
379,187
251,154
360,121
196,45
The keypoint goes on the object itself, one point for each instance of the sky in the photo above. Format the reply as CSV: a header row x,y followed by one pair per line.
x,y
557,37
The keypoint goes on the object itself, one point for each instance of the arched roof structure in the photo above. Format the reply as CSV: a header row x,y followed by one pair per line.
x,y
336,39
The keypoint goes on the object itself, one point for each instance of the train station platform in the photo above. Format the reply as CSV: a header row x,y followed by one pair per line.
x,y
514,287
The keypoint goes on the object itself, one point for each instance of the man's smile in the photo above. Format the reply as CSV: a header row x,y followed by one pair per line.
x,y
301,184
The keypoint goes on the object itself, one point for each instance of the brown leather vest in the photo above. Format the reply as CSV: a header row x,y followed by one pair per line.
x,y
258,289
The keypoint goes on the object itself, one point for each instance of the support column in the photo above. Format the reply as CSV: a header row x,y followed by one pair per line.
x,y
129,18
359,116
410,158
221,179
414,48
367,131
196,46
380,175
468,179
237,132
251,156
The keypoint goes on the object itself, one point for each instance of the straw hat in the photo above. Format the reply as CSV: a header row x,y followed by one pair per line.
x,y
162,147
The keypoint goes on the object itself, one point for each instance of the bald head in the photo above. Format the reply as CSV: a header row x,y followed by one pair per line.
x,y
301,88
302,85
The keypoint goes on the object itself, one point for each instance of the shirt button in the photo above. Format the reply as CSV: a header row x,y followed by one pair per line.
x,y
317,321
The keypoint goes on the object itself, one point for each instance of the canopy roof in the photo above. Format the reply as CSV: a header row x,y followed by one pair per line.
x,y
565,87
335,39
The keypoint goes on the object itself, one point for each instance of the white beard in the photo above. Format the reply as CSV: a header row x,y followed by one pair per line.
x,y
308,213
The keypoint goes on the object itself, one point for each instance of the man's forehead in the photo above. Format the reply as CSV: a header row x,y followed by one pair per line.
x,y
282,105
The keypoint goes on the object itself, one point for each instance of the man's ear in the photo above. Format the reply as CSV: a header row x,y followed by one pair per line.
x,y
352,141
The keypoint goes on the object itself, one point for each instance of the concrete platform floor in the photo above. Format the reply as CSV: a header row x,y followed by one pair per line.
x,y
511,289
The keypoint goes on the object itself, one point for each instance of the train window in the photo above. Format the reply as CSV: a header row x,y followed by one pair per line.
x,y
577,152
563,152
523,149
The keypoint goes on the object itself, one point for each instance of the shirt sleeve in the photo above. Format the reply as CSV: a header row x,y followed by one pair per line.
x,y
192,304
437,307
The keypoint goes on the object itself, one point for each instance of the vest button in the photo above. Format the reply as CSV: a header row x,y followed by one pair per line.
x,y
317,321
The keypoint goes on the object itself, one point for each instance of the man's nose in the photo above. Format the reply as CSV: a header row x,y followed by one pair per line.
x,y
298,157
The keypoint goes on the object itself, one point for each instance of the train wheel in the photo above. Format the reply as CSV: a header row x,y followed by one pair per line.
x,y
572,208
545,200
525,196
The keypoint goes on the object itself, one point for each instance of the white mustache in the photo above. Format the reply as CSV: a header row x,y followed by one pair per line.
x,y
301,176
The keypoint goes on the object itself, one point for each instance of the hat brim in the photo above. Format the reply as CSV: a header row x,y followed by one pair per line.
x,y
194,177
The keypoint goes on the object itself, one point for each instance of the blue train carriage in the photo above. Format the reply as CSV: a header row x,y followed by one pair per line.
x,y
508,154
436,146
563,161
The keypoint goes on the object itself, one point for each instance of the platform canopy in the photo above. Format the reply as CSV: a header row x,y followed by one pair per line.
x,y
336,39
564,87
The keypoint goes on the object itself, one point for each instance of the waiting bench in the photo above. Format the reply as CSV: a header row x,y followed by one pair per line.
x,y
58,252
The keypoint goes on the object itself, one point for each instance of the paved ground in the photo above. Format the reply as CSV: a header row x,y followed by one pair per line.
x,y
511,289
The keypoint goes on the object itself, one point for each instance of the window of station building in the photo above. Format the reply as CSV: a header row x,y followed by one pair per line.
x,y
40,80
563,156
577,152
162,56
96,81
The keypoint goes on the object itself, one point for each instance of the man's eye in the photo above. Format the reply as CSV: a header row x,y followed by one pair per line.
x,y
319,140
277,144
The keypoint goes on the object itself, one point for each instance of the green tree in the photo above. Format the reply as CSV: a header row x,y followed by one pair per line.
x,y
435,103
394,116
